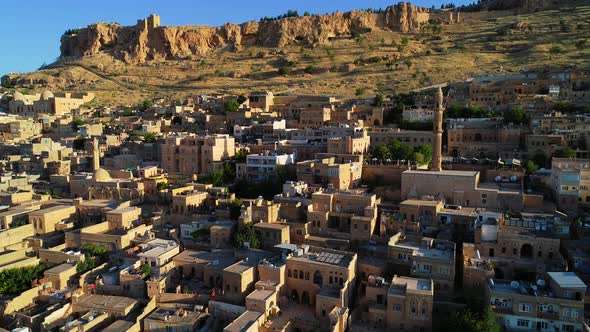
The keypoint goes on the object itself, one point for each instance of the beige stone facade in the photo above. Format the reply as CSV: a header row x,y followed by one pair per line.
x,y
196,155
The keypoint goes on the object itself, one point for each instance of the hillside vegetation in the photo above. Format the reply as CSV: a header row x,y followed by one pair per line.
x,y
487,43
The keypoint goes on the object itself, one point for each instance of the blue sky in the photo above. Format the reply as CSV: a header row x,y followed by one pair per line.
x,y
30,29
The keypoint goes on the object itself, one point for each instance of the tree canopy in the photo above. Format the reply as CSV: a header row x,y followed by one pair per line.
x,y
397,150
231,105
565,152
17,280
468,321
246,234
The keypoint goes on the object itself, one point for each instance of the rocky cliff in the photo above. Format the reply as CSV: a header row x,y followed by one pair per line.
x,y
147,40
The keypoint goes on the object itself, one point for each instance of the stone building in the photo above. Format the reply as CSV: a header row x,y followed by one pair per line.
x,y
196,155
53,218
404,304
483,138
343,214
410,137
263,167
521,245
570,182
552,303
424,257
354,144
47,103
339,172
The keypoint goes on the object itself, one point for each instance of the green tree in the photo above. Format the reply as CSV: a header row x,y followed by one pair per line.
x,y
240,156
468,321
17,280
149,138
380,152
147,104
359,92
418,158
246,234
235,209
214,177
96,250
516,116
426,151
163,185
127,112
400,151
76,123
408,63
378,101
531,167
405,41
146,269
231,105
581,44
306,13
241,99
86,265
555,49
565,152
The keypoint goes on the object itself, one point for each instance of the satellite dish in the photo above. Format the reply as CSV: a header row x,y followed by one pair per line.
x,y
498,178
514,284
513,178
541,283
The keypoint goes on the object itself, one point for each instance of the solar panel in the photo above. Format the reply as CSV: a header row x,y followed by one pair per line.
x,y
329,258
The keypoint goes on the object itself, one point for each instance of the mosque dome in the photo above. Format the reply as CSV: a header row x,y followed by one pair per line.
x,y
101,175
18,96
47,95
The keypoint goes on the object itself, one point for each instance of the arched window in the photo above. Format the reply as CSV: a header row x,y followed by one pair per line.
x,y
317,278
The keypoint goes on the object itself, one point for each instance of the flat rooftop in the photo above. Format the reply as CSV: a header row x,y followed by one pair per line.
x,y
105,302
123,210
243,322
52,209
400,285
239,267
567,279
443,173
60,268
181,316
260,294
279,226
419,251
419,202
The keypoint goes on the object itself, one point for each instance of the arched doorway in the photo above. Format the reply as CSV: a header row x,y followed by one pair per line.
x,y
305,298
526,251
317,278
295,296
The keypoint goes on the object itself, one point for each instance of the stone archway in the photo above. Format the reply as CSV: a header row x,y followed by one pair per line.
x,y
305,299
317,278
526,251
295,296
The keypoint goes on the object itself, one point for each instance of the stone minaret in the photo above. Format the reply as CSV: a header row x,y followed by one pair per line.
x,y
437,132
95,155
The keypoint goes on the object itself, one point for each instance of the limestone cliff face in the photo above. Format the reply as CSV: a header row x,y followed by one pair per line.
x,y
149,41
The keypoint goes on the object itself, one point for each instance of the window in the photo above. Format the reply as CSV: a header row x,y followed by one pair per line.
x,y
574,313
566,312
306,275
295,273
514,251
397,307
503,250
522,323
523,307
